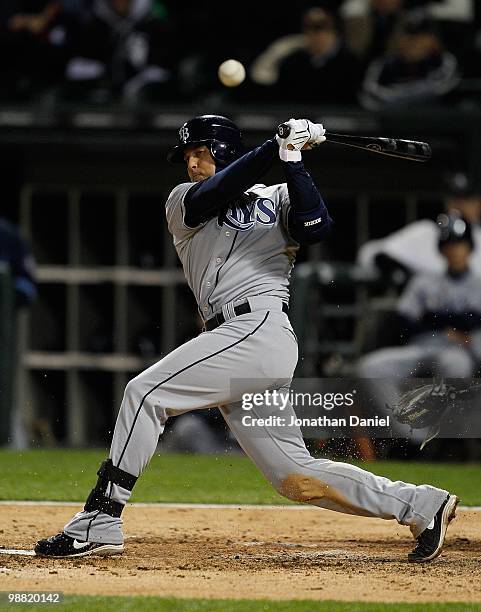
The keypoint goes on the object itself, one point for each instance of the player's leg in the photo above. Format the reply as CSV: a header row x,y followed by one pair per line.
x,y
392,362
454,362
383,372
196,375
280,453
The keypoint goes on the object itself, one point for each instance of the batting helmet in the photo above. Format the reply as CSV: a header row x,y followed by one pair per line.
x,y
454,228
220,134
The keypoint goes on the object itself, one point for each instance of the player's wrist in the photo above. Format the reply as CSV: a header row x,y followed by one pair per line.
x,y
287,155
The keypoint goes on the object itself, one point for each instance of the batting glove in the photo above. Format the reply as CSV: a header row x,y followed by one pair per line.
x,y
317,135
290,147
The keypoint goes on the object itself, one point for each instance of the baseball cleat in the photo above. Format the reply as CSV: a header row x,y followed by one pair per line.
x,y
430,542
62,545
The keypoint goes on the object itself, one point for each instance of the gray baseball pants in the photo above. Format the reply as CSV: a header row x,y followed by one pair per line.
x,y
248,353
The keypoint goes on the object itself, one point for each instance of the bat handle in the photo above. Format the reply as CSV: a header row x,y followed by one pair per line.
x,y
284,129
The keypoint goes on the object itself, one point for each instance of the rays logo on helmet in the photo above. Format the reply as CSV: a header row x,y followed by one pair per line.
x,y
184,133
244,216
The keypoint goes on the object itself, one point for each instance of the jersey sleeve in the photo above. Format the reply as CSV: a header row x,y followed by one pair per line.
x,y
175,213
285,205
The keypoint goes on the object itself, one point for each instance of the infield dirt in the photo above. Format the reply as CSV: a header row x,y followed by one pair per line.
x,y
283,553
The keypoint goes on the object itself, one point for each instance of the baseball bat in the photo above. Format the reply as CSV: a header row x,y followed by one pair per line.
x,y
394,147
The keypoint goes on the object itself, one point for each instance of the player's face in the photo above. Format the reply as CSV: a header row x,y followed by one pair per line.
x,y
457,255
200,163
417,47
121,7
386,7
319,31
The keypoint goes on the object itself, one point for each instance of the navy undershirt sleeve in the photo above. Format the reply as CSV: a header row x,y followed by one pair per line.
x,y
309,219
206,198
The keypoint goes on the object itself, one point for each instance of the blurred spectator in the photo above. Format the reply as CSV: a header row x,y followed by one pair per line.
x,y
416,71
224,37
440,315
204,432
370,24
313,67
75,7
32,47
456,22
123,49
414,249
16,253
469,52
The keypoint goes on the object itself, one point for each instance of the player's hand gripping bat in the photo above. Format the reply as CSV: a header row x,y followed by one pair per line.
x,y
394,147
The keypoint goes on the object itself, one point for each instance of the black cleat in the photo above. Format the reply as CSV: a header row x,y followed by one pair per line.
x,y
62,545
430,542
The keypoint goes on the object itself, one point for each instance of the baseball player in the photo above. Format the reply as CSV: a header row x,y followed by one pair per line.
x,y
414,248
442,315
237,239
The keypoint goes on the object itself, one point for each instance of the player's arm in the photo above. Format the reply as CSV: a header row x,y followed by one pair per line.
x,y
308,219
206,198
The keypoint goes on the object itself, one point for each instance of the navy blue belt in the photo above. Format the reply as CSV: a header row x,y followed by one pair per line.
x,y
219,318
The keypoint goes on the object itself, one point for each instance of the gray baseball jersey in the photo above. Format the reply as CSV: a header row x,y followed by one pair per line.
x,y
250,253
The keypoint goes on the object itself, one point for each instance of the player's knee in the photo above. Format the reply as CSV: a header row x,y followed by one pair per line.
x,y
456,363
133,390
302,488
369,365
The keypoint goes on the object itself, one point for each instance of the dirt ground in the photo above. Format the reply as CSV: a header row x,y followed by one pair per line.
x,y
247,553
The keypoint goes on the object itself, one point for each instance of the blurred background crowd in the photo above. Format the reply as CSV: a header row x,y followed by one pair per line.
x,y
368,53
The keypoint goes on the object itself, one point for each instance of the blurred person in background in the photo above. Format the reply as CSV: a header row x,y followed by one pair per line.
x,y
15,252
243,38
456,20
203,432
123,49
313,67
468,94
417,70
414,249
33,47
440,315
371,24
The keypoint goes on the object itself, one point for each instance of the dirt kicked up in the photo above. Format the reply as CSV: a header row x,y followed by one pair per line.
x,y
282,553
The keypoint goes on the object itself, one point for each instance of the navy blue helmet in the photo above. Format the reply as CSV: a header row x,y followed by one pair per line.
x,y
454,228
220,134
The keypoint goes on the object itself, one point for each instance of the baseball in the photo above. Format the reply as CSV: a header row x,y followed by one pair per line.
x,y
231,73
